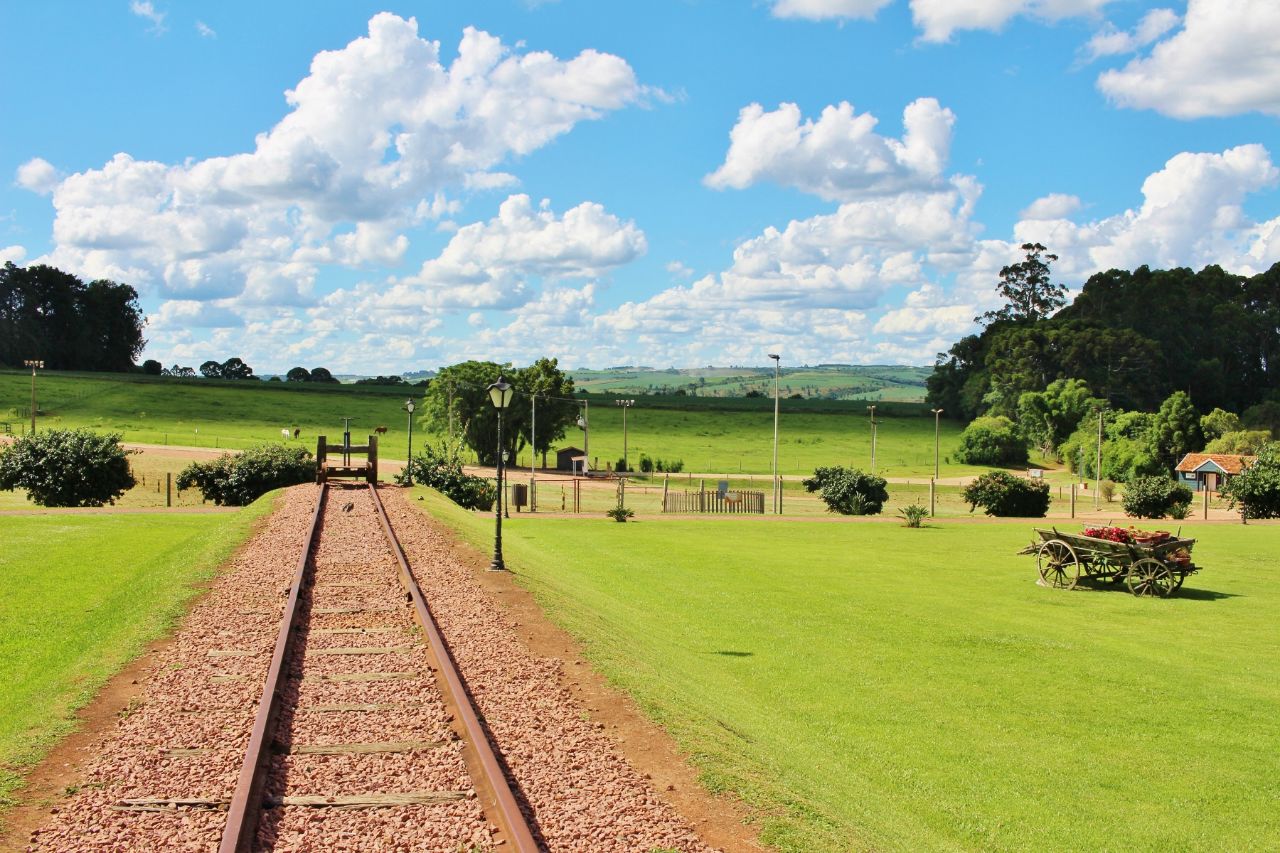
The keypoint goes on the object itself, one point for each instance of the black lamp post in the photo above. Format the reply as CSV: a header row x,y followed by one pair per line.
x,y
34,364
500,393
409,407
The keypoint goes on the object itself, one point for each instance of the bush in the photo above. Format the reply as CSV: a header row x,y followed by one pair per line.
x,y
240,479
620,514
1154,497
1255,492
849,491
67,467
991,441
1108,491
440,467
1000,493
646,464
913,515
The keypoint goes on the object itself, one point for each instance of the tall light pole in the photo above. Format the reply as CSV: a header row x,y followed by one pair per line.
x,y
936,413
500,393
409,407
1097,471
533,433
34,364
625,404
873,438
777,496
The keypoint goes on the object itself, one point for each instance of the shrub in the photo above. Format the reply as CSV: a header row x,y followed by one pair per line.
x,y
646,464
1108,491
240,479
1255,492
67,467
991,441
1000,493
1154,497
440,467
913,515
849,491
620,514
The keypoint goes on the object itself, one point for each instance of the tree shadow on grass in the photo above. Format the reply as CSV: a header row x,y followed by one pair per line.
x,y
733,654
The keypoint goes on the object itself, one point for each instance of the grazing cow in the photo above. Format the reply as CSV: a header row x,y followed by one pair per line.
x,y
297,432
380,430
284,433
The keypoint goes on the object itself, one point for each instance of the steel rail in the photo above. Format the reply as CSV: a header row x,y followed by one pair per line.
x,y
510,819
246,800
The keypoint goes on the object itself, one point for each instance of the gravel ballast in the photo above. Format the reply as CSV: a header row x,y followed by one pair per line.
x,y
362,714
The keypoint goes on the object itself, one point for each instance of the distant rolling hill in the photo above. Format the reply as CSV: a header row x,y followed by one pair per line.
x,y
832,382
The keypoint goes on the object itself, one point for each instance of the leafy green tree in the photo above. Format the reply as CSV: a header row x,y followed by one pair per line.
x,y
1175,430
457,400
151,367
439,466
234,368
1047,418
67,467
1126,447
1218,423
1265,415
1245,442
298,374
991,441
322,374
1255,492
1030,294
1000,493
849,491
1155,497
240,479
211,370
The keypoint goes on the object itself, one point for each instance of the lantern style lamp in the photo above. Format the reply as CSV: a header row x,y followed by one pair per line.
x,y
500,394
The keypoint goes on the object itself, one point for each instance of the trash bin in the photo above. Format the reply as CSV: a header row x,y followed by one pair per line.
x,y
519,495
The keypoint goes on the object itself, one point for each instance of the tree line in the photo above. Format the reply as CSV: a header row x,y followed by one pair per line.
x,y
1161,362
52,316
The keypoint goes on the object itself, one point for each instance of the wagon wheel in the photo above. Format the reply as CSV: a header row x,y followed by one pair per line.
x,y
1149,576
1058,564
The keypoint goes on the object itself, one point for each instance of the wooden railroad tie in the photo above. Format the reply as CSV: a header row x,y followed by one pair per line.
x,y
353,801
395,746
330,610
229,653
362,676
363,650
341,707
371,630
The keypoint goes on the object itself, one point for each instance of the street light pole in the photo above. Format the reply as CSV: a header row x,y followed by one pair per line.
x,y
625,404
500,394
33,364
777,491
873,438
936,413
409,407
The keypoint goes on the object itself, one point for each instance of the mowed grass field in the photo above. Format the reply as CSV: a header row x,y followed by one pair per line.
x,y
868,686
708,435
80,596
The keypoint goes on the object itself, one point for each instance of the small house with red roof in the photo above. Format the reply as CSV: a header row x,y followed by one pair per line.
x,y
1210,470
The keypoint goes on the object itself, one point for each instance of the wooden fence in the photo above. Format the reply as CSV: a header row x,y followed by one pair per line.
x,y
732,501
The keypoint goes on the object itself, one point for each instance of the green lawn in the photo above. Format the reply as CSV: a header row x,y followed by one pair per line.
x,y
80,596
710,435
874,687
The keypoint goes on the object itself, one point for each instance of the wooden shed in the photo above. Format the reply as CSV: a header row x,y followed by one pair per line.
x,y
1210,470
571,459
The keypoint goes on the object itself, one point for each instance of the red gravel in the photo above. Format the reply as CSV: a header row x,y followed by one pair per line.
x,y
580,793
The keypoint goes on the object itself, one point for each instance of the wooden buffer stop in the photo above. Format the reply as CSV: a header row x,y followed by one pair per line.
x,y
335,460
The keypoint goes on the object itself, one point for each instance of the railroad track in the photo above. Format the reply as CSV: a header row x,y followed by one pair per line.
x,y
365,729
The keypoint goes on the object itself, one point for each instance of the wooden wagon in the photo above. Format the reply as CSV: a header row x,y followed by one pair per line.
x,y
1156,566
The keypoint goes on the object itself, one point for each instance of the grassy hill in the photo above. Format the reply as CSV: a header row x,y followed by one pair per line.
x,y
709,434
839,382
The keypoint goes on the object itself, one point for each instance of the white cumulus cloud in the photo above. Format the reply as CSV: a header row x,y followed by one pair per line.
x,y
12,254
817,10
1224,61
376,133
938,19
146,9
839,157
1052,206
1110,41
38,175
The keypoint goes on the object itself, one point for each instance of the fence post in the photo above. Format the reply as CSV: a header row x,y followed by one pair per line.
x,y
168,488
666,481
1206,504
1073,500
932,501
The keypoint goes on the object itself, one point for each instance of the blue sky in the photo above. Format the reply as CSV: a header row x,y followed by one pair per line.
x,y
387,187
